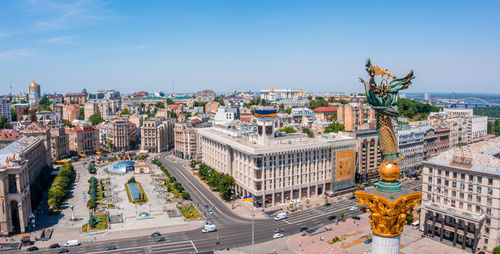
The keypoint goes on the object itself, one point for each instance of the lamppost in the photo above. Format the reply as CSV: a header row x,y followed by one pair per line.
x,y
72,213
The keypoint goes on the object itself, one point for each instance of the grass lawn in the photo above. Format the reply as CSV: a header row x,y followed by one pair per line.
x,y
190,212
174,191
99,226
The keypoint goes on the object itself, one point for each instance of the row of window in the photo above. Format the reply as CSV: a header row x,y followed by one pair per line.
x,y
447,173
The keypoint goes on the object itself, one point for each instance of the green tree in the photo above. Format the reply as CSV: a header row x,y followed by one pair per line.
x,y
4,123
309,133
92,221
13,114
67,123
193,164
91,204
96,119
172,115
160,104
342,214
81,115
225,187
287,129
170,101
288,110
44,104
125,112
334,127
319,102
186,195
496,250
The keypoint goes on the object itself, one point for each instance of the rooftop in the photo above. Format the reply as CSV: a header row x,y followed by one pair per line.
x,y
10,154
482,156
325,109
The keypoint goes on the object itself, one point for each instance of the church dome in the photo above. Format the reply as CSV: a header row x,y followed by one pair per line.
x,y
33,85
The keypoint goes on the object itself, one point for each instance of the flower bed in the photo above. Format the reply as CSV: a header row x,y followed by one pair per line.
x,y
99,226
190,212
144,198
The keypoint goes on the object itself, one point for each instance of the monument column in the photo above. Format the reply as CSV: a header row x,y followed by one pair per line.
x,y
388,203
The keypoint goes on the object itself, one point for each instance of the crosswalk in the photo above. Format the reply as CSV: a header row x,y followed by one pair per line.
x,y
174,247
315,214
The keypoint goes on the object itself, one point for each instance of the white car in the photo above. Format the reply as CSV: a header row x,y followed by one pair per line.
x,y
277,235
353,208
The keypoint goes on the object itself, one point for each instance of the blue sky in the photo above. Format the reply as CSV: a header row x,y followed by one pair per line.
x,y
453,46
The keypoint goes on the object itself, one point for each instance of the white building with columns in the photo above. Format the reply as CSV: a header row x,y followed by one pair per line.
x,y
276,169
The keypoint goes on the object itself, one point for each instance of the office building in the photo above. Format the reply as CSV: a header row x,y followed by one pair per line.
x,y
83,139
368,156
157,135
411,144
186,141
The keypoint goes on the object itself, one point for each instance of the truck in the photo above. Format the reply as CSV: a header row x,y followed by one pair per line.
x,y
72,243
280,216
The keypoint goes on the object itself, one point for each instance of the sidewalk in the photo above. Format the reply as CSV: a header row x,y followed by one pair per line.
x,y
244,209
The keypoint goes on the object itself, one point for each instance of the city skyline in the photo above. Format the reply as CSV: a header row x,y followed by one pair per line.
x,y
245,46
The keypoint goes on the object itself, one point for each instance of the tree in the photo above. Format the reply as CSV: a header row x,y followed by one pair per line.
x,y
409,218
288,110
310,134
193,164
170,101
225,186
496,250
96,119
67,123
186,195
319,102
91,204
44,104
334,127
160,104
92,221
172,115
4,123
81,115
91,169
125,112
13,114
287,129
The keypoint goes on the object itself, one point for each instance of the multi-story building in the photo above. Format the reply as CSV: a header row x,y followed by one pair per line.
x,y
20,164
83,139
35,129
368,156
298,113
280,94
466,114
90,108
186,141
460,128
34,94
479,126
430,141
325,113
225,115
206,95
75,98
461,200
59,143
71,112
443,139
8,136
157,134
5,108
107,95
114,134
211,107
411,145
278,169
356,116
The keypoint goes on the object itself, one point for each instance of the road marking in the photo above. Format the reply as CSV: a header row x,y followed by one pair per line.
x,y
311,217
141,247
194,246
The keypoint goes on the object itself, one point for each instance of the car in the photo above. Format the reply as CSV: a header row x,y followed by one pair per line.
x,y
62,250
206,207
210,211
327,204
160,239
111,247
352,208
155,234
277,235
55,245
368,241
356,218
278,230
32,248
303,228
332,217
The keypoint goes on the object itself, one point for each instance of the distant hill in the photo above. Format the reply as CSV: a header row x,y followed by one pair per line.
x,y
493,112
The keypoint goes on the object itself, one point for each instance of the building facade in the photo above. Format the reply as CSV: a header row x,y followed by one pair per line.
x,y
368,156
325,113
479,126
186,141
461,200
157,135
5,108
206,95
276,170
411,144
75,98
114,134
59,143
356,116
83,139
34,94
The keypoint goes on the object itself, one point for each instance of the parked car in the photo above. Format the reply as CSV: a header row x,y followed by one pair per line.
x,y
209,228
368,241
327,204
277,235
280,216
210,211
278,230
32,248
62,250
356,218
352,208
55,245
160,239
303,228
155,234
332,217
111,247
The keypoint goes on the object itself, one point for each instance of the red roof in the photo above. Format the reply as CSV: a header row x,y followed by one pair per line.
x,y
325,109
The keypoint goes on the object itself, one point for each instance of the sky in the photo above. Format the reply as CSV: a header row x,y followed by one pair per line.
x,y
185,46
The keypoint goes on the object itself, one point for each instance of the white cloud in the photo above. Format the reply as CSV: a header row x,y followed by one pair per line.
x,y
16,53
60,40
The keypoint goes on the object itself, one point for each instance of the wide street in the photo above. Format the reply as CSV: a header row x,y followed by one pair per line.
x,y
233,231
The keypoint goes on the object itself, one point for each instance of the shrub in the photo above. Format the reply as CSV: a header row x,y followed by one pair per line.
x,y
91,204
186,195
131,180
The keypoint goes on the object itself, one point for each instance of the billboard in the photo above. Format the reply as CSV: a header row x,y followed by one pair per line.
x,y
345,165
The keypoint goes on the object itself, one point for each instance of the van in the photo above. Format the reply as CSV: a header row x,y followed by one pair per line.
x,y
280,216
208,228
415,224
72,243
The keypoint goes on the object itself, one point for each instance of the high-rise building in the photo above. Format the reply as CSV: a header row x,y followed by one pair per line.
x,y
206,95
5,108
461,201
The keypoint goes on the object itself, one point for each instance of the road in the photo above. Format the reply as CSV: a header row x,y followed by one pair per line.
x,y
233,231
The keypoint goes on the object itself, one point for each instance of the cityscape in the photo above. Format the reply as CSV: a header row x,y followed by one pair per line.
x,y
377,159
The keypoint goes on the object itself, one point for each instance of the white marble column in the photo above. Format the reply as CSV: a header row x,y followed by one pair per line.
x,y
385,245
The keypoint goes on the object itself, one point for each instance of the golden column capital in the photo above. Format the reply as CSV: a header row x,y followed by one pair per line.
x,y
388,218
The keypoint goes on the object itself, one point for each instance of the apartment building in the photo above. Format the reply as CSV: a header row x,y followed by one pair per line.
x,y
325,113
443,139
75,98
59,143
411,145
70,112
5,108
278,169
83,139
368,156
35,129
186,141
479,126
157,134
430,141
114,134
461,201
356,116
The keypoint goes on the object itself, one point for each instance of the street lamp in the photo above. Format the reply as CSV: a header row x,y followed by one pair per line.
x,y
72,213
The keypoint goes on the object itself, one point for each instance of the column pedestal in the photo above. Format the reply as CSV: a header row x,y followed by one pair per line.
x,y
385,245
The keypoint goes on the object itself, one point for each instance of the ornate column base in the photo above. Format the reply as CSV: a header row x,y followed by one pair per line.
x,y
385,245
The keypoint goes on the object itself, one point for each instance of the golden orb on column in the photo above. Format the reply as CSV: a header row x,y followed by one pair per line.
x,y
389,171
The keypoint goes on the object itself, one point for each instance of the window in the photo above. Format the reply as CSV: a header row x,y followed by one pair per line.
x,y
471,188
478,189
461,204
430,179
478,209
490,181
488,211
446,182
462,176
454,184
479,179
453,193
490,201
439,181
469,207
439,199
478,199
490,190
453,203
454,174
428,196
488,221
462,186
429,188
487,230
469,197
461,196
439,172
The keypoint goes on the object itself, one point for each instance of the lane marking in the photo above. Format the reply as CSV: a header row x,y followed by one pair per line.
x,y
194,246
139,247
